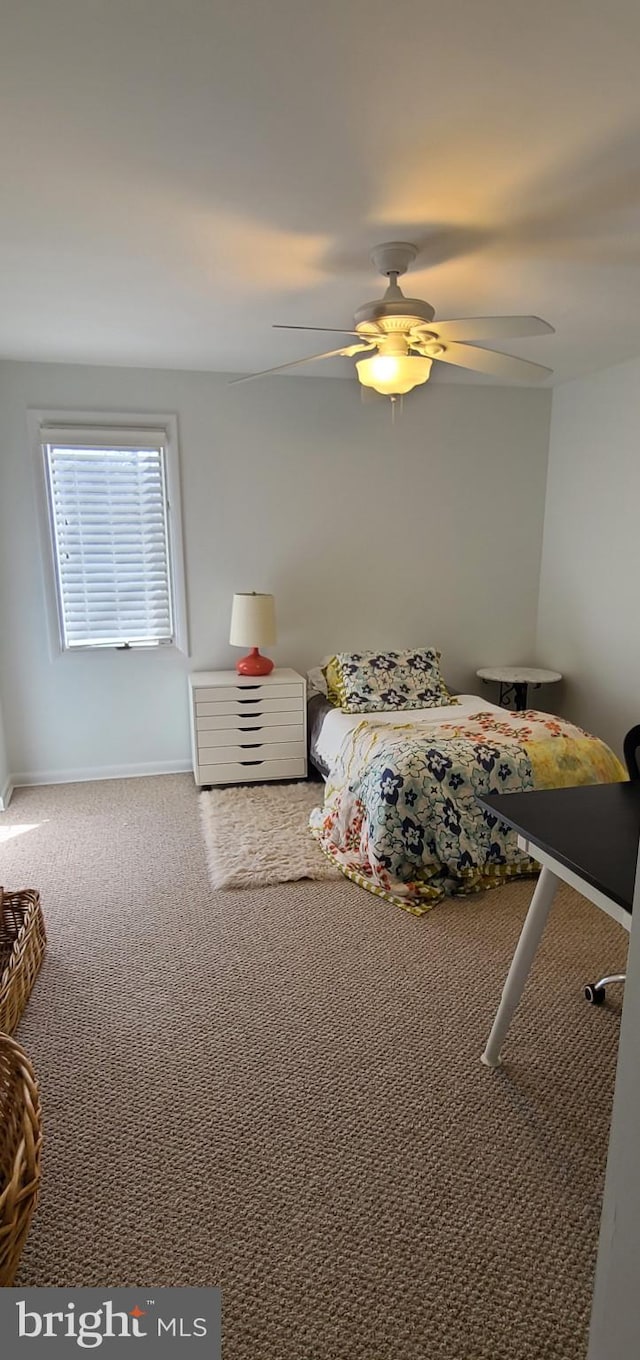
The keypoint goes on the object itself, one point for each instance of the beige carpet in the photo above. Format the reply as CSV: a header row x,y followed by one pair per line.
x,y
288,1099
259,834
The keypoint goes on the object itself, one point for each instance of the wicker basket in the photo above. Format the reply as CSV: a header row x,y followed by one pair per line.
x,y
22,943
20,1143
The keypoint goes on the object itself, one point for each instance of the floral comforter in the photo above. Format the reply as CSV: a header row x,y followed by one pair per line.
x,y
400,815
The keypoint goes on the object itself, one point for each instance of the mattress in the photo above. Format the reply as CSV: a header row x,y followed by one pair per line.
x,y
328,726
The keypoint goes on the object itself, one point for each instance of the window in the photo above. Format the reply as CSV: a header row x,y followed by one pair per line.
x,y
114,529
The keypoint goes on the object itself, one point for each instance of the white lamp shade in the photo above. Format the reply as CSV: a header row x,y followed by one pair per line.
x,y
393,374
253,621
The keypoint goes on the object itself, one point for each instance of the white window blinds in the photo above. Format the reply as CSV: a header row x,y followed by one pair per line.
x,y
109,521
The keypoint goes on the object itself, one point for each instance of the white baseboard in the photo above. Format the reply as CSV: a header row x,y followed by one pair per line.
x,y
30,778
5,795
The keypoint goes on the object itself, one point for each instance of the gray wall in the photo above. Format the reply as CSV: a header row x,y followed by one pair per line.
x,y
368,535
5,791
615,1320
590,578
588,628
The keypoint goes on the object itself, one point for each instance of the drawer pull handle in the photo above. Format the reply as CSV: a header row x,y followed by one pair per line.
x,y
250,745
250,729
242,688
248,701
251,762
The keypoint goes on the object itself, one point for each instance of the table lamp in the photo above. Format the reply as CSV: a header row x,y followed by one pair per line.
x,y
253,624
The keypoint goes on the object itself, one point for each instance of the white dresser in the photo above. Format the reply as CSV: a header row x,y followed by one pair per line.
x,y
246,728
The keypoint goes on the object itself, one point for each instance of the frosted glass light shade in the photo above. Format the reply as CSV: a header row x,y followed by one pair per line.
x,y
253,621
393,374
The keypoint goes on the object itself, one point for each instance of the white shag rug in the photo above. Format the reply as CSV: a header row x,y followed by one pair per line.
x,y
260,834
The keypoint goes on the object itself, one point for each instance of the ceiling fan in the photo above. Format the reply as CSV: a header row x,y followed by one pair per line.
x,y
402,338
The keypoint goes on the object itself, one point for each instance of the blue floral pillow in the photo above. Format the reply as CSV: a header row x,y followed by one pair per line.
x,y
370,682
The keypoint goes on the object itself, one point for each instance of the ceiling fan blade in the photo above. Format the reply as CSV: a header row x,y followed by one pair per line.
x,y
496,365
491,327
331,330
293,363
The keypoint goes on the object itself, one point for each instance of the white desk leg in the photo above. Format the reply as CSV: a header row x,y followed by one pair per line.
x,y
527,945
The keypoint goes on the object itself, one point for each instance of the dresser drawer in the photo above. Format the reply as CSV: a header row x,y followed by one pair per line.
x,y
218,693
224,755
242,722
252,732
250,771
238,708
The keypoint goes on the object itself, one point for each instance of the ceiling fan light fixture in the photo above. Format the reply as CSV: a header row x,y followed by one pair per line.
x,y
393,374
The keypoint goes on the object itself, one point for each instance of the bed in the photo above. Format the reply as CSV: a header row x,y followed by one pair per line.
x,y
400,814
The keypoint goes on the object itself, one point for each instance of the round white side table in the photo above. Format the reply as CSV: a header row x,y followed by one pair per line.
x,y
514,682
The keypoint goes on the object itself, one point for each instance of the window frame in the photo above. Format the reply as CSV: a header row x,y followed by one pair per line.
x,y
113,426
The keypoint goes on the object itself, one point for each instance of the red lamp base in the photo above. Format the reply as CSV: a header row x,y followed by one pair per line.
x,y
254,664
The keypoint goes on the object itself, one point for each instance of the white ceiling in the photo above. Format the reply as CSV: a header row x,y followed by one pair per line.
x,y
179,174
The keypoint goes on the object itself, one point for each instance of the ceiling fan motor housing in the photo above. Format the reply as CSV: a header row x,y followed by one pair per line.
x,y
394,314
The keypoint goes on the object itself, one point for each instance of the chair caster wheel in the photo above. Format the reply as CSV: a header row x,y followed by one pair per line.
x,y
594,995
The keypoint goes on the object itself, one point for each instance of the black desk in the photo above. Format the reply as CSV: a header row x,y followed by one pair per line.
x,y
587,837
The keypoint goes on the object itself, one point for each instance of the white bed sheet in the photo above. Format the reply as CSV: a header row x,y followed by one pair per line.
x,y
336,723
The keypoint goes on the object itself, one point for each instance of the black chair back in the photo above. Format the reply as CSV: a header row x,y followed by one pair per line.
x,y
632,752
